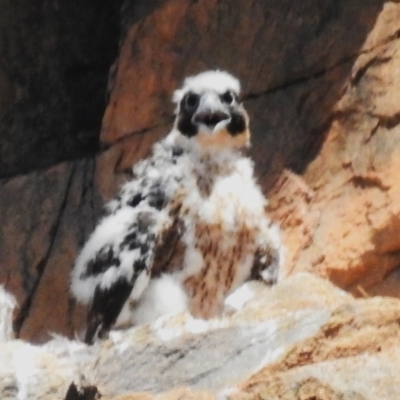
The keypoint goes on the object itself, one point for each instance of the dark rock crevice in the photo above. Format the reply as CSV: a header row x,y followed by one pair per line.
x,y
24,309
310,75
54,63
167,124
300,80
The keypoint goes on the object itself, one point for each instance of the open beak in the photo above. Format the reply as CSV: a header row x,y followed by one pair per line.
x,y
211,114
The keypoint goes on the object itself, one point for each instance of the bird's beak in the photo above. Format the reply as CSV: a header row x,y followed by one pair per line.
x,y
211,114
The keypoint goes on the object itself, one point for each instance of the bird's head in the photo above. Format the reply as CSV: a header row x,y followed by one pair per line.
x,y
209,111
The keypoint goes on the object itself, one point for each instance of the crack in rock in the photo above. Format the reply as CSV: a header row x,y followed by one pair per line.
x,y
25,308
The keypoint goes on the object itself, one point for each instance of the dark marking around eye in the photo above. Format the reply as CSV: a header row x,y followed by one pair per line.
x,y
187,108
186,126
228,97
237,124
191,100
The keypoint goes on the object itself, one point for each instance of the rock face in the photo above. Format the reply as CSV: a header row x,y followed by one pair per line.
x,y
55,57
319,81
293,60
40,237
288,342
341,217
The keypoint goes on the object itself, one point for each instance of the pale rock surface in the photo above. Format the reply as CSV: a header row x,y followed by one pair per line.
x,y
353,356
302,335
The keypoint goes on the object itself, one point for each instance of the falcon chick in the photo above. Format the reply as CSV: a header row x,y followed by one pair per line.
x,y
189,228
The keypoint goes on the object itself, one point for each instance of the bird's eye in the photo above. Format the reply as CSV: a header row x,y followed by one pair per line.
x,y
228,97
191,100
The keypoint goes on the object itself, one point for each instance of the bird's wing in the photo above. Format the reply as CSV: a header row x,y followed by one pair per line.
x,y
163,252
104,310
116,262
121,267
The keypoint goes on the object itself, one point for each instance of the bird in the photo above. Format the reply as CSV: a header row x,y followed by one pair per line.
x,y
191,225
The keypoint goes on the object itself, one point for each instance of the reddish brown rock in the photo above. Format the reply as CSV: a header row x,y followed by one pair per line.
x,y
341,218
48,215
292,59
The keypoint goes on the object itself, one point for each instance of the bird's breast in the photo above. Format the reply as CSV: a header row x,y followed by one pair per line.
x,y
220,241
